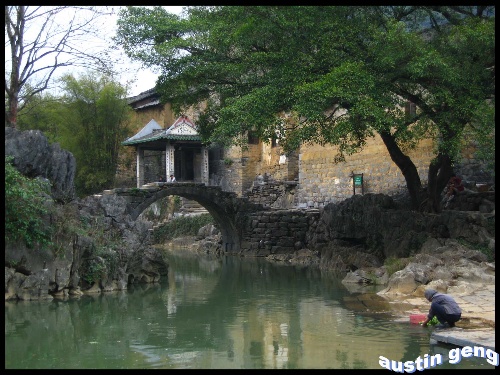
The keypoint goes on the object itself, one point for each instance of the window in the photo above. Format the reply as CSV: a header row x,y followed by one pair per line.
x,y
253,139
410,109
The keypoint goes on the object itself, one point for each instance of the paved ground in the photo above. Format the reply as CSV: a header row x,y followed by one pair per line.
x,y
478,308
476,328
465,337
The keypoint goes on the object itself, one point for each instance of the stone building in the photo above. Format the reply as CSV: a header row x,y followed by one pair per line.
x,y
317,178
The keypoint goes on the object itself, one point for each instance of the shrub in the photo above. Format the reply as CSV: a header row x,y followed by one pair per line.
x,y
25,200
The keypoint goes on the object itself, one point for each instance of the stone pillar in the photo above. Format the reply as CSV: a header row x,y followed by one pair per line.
x,y
169,160
140,167
204,165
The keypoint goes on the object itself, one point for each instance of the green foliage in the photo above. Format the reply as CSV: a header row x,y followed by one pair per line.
x,y
181,226
96,123
341,74
433,321
393,264
90,120
93,270
25,208
45,113
65,224
104,256
481,133
101,262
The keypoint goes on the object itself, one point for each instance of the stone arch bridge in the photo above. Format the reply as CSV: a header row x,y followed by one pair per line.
x,y
244,225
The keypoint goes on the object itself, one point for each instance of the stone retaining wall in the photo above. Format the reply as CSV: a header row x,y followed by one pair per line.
x,y
472,201
278,232
272,193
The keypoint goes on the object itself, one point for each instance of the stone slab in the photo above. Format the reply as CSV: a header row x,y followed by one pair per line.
x,y
465,337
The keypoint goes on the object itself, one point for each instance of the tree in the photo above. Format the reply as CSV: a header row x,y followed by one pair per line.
x,y
95,122
89,119
45,112
341,74
42,40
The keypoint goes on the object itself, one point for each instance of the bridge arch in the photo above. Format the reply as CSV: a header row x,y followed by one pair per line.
x,y
226,208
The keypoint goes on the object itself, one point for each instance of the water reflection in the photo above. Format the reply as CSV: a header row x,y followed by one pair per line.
x,y
213,313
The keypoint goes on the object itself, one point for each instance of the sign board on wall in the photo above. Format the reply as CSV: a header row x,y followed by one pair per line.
x,y
357,182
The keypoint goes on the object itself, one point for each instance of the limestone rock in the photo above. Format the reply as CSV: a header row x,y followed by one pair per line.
x,y
146,266
208,230
451,268
34,157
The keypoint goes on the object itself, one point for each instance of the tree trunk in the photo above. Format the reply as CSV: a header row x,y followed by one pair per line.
x,y
11,115
408,169
440,171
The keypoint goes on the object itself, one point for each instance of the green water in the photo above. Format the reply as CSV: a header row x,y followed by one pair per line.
x,y
212,313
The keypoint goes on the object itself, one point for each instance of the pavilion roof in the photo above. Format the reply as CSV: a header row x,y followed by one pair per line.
x,y
182,129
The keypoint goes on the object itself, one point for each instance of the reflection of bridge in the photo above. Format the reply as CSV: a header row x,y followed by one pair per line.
x,y
228,211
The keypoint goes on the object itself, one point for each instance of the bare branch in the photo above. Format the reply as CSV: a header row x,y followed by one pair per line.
x,y
44,39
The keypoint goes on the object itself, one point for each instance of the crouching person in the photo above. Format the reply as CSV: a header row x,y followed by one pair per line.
x,y
443,307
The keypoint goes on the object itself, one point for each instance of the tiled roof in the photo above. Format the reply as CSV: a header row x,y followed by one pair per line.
x,y
150,104
146,131
154,132
142,95
161,135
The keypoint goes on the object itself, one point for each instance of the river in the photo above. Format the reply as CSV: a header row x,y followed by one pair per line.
x,y
211,313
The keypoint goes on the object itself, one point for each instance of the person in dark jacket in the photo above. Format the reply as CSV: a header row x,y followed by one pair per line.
x,y
453,188
443,307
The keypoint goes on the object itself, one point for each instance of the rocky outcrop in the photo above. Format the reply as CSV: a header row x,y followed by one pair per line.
x,y
444,265
106,250
357,236
34,157
374,225
84,264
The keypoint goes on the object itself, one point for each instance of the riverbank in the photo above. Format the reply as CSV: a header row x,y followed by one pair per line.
x,y
475,296
475,328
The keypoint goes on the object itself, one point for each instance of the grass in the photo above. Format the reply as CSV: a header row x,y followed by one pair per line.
x,y
393,264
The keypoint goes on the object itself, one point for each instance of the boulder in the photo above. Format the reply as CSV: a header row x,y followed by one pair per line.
x,y
451,268
375,225
35,157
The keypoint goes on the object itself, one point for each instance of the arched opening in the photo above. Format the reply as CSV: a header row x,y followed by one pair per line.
x,y
220,209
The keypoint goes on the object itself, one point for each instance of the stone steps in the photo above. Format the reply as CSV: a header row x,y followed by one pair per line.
x,y
188,208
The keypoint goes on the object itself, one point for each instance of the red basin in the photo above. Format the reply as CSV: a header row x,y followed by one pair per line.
x,y
417,318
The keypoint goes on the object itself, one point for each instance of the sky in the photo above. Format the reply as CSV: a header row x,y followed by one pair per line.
x,y
139,79
145,79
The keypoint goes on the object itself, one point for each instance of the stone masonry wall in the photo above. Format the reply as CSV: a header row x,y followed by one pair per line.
x,y
230,175
163,115
278,231
258,160
251,160
322,181
272,193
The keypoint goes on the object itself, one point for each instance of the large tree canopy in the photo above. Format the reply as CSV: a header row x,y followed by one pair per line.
x,y
330,75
